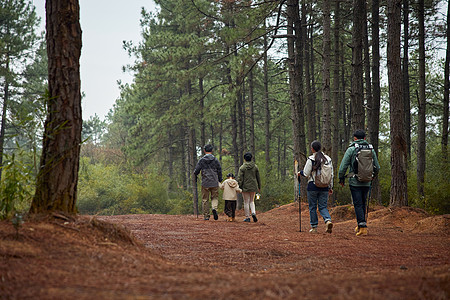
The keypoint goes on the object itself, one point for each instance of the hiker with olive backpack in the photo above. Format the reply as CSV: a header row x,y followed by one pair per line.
x,y
319,170
362,162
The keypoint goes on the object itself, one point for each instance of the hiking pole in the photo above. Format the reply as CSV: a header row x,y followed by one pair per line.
x,y
299,206
368,201
195,195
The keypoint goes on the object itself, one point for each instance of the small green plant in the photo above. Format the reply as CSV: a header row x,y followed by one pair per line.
x,y
15,187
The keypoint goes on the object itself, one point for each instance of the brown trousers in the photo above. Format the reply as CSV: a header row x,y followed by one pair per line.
x,y
206,193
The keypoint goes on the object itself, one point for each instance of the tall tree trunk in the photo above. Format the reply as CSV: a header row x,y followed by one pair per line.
x,y
3,122
444,140
202,112
357,96
421,126
267,111
240,118
310,105
326,110
183,156
220,141
283,174
367,81
294,88
252,113
56,187
336,99
398,196
345,111
193,161
374,116
170,160
406,93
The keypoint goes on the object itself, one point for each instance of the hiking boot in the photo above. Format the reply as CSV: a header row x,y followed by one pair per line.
x,y
313,230
254,218
356,229
329,226
206,218
229,219
247,220
233,219
362,231
215,214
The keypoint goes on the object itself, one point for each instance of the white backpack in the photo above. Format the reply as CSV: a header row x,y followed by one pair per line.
x,y
324,175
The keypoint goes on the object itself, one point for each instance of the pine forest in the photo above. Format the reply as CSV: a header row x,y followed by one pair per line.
x,y
267,77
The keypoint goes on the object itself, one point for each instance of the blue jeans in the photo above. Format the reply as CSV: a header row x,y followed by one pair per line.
x,y
359,196
318,198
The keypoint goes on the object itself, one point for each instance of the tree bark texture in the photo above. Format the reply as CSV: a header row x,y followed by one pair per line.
x,y
367,81
310,105
406,92
193,162
374,107
294,88
267,111
336,94
421,115
326,109
56,187
357,95
444,140
398,195
3,122
252,113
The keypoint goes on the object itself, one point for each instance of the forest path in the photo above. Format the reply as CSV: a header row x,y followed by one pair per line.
x,y
405,256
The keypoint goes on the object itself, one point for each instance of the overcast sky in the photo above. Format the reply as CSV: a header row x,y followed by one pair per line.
x,y
105,25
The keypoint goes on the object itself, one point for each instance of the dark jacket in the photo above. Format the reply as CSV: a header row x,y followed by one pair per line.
x,y
248,177
349,159
211,170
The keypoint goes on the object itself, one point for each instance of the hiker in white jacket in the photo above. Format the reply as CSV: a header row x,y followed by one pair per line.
x,y
319,171
230,189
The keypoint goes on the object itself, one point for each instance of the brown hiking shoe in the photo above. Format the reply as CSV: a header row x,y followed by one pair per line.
x,y
356,229
362,231
329,226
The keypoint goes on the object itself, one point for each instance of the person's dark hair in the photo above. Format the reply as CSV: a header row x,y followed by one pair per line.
x,y
359,134
248,156
208,148
230,175
320,158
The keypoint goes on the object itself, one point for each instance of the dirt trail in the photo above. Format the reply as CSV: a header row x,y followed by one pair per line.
x,y
405,256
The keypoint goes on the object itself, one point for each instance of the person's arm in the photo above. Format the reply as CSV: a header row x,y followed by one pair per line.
x,y
307,169
197,167
345,163
219,170
258,179
376,165
240,177
332,175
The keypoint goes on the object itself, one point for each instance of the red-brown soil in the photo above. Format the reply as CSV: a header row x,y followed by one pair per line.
x,y
405,256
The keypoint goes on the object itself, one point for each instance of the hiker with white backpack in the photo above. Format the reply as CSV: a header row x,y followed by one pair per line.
x,y
319,171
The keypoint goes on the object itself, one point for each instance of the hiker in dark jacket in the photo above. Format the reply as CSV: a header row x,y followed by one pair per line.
x,y
211,176
250,183
358,189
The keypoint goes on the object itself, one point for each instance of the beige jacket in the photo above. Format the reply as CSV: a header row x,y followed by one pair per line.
x,y
230,187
